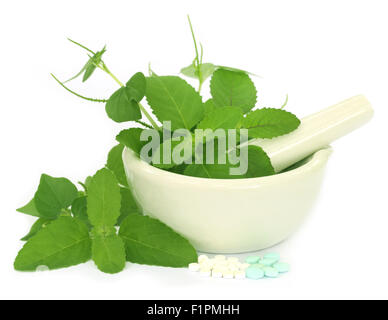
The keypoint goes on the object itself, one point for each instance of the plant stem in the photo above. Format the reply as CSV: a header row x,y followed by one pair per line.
x,y
196,55
144,124
148,116
105,68
76,94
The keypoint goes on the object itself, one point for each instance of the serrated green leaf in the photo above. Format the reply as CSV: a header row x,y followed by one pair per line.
x,y
137,85
270,123
53,195
63,243
259,164
122,106
229,88
87,182
236,70
215,170
36,227
222,118
104,199
211,171
29,209
179,146
115,163
128,205
131,139
149,241
178,169
209,106
173,99
108,253
79,209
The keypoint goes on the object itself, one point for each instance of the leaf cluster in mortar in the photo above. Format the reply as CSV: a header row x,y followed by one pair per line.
x,y
102,222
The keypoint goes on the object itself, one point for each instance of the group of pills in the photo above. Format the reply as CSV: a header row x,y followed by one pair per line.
x,y
254,267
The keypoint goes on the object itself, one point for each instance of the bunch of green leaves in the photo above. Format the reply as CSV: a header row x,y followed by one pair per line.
x,y
232,106
102,223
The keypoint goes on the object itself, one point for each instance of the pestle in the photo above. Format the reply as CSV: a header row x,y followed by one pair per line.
x,y
316,132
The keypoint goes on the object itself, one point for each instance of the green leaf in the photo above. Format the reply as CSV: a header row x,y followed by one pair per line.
x,y
270,123
104,199
137,85
207,70
131,139
53,195
63,243
236,70
149,241
128,205
190,71
87,64
209,106
90,65
222,118
29,209
122,106
211,171
183,142
229,88
88,72
115,163
36,227
178,169
173,99
259,164
108,253
94,61
87,182
79,209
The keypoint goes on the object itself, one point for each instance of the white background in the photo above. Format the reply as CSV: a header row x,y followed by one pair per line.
x,y
320,52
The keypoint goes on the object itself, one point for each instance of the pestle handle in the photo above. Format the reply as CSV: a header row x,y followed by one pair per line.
x,y
317,131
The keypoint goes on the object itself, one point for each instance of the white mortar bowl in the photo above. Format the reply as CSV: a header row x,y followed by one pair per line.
x,y
228,215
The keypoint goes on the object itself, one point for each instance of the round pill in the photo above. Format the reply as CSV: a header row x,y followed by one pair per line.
x,y
210,262
233,267
227,274
270,272
193,267
202,258
258,265
216,274
243,266
252,259
281,267
205,272
220,266
268,261
253,272
239,275
272,255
